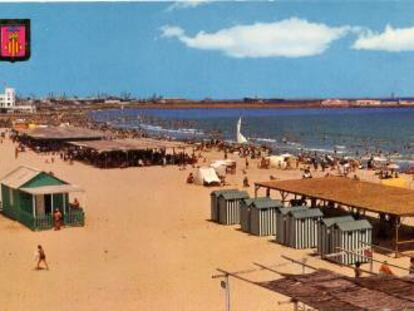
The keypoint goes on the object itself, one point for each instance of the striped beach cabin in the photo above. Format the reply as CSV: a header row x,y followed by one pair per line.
x,y
348,236
324,242
281,223
229,207
214,202
303,228
258,216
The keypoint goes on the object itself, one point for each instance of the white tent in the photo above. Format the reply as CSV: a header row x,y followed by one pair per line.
x,y
206,176
380,159
277,161
221,165
220,168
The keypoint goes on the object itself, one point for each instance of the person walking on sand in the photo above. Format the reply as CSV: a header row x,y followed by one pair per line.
x,y
41,257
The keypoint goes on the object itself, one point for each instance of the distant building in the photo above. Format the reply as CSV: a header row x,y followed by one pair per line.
x,y
8,99
368,102
8,102
407,102
335,103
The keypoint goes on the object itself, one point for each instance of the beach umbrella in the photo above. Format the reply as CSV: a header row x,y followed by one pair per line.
x,y
393,166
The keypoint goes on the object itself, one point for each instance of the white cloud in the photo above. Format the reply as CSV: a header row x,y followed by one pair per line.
x,y
391,40
292,37
186,4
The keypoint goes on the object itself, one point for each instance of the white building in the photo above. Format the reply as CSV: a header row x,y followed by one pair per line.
x,y
335,103
8,99
8,102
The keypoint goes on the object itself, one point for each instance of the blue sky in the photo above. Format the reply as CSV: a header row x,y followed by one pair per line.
x,y
288,49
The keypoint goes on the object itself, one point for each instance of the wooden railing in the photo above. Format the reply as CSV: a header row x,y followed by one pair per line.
x,y
74,218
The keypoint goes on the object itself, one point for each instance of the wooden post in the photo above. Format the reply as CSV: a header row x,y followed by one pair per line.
x,y
256,189
397,229
227,293
268,192
295,305
64,203
51,202
283,195
34,205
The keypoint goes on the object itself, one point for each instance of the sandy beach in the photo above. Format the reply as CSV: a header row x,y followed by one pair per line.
x,y
148,244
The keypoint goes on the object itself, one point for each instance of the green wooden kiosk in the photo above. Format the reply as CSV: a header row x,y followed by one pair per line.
x,y
30,196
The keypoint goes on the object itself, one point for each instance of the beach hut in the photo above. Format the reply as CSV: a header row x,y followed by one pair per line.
x,y
324,242
258,216
214,202
30,196
281,223
347,236
303,228
229,207
206,176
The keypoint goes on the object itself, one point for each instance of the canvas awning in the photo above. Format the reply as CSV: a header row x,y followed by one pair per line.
x,y
52,189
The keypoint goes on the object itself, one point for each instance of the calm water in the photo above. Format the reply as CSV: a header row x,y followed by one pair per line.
x,y
345,130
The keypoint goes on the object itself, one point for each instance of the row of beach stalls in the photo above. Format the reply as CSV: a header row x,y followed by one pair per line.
x,y
97,149
337,239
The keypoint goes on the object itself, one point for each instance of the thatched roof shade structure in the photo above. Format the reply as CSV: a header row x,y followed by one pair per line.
x,y
326,291
361,195
125,145
345,191
61,133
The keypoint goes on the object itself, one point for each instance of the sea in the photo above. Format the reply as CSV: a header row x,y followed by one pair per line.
x,y
348,132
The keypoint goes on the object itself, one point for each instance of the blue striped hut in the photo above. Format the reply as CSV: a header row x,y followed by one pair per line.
x,y
303,228
347,237
324,242
229,207
258,216
281,223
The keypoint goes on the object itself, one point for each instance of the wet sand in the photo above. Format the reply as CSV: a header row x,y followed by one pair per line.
x,y
147,245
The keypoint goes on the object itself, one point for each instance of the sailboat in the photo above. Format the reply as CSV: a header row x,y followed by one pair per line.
x,y
240,138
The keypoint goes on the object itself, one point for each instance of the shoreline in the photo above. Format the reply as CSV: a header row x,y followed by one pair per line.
x,y
148,241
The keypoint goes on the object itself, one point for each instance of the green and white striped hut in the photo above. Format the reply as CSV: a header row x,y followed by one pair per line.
x,y
258,216
348,236
281,223
324,242
214,202
229,207
303,228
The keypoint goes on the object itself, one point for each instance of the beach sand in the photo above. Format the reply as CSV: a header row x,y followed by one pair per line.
x,y
148,244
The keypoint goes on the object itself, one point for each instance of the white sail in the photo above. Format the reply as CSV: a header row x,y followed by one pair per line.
x,y
240,138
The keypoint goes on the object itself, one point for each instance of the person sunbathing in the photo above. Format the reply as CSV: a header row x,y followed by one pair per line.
x,y
190,178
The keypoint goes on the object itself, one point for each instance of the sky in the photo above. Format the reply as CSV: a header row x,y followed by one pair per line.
x,y
220,50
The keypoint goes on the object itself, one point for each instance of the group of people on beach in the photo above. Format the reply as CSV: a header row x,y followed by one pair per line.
x,y
384,269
